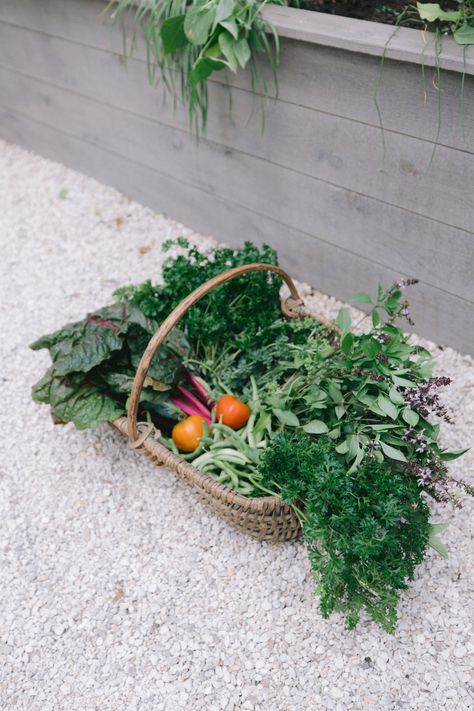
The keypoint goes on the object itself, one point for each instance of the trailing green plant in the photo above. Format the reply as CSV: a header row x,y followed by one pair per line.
x,y
365,531
459,23
188,41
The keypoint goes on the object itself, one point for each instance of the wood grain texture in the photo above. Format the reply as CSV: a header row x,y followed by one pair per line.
x,y
438,315
398,169
407,103
66,19
316,184
372,38
353,221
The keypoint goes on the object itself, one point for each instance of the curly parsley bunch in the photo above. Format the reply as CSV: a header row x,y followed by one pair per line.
x,y
366,531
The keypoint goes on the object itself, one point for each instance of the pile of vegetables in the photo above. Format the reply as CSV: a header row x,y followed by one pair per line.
x,y
343,426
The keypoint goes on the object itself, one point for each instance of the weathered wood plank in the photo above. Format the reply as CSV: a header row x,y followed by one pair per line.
x,y
379,232
328,75
372,38
441,316
407,45
326,147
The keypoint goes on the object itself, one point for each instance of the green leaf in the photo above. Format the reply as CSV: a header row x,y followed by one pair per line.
x,y
242,52
431,11
213,52
343,320
433,540
439,547
227,43
346,343
387,406
42,389
287,417
81,346
315,396
172,34
353,442
371,402
198,22
359,457
73,399
403,382
262,422
436,528
361,298
277,402
449,456
465,35
340,411
382,428
395,396
370,346
375,318
342,447
316,427
392,453
224,10
231,26
334,391
410,416
203,68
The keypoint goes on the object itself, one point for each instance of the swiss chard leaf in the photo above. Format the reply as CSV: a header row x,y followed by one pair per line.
x,y
75,399
81,346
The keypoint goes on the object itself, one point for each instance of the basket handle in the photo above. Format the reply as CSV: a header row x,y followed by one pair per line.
x,y
290,309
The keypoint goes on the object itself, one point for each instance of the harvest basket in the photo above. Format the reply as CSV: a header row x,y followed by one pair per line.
x,y
264,518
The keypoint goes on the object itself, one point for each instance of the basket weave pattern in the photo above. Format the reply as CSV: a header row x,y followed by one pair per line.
x,y
264,518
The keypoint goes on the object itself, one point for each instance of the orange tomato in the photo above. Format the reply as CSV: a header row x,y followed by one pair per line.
x,y
232,412
186,434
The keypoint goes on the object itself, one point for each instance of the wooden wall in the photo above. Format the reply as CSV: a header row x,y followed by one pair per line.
x,y
345,203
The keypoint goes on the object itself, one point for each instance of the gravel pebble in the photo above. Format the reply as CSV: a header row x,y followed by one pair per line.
x,y
118,591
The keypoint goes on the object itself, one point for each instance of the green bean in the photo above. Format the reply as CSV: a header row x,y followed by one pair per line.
x,y
233,453
232,474
222,443
190,456
250,428
245,489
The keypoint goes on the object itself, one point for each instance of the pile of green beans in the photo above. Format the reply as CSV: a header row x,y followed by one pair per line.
x,y
231,456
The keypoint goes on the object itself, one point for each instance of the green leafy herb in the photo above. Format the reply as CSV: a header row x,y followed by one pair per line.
x,y
366,532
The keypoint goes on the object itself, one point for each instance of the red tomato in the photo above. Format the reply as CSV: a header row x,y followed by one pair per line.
x,y
186,434
232,412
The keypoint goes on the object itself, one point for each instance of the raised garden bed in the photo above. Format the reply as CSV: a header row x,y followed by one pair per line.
x,y
344,202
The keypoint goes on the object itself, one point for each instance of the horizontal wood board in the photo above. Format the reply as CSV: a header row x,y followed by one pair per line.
x,y
343,209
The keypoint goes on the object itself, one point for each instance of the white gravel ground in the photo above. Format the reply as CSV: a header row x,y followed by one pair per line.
x,y
120,593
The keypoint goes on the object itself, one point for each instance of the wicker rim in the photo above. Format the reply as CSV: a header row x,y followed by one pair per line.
x,y
171,460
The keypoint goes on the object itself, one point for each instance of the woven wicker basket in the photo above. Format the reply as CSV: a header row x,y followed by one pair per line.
x,y
264,518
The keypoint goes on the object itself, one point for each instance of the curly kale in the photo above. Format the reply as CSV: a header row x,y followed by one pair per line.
x,y
365,532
